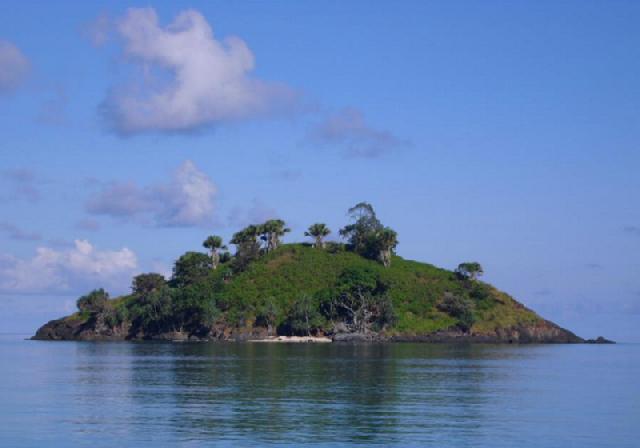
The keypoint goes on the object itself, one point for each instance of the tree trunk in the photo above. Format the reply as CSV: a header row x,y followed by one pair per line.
x,y
215,259
385,258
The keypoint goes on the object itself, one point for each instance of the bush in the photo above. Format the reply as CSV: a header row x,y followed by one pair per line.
x,y
460,308
304,317
146,283
190,268
94,302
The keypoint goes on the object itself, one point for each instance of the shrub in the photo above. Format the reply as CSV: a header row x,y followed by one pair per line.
x,y
460,308
94,302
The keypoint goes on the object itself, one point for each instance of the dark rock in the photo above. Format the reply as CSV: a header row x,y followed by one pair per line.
x,y
544,332
599,340
357,337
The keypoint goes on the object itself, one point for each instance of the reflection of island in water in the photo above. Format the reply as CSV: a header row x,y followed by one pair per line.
x,y
274,393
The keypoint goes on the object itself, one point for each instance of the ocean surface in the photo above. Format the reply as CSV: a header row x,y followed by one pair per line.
x,y
63,394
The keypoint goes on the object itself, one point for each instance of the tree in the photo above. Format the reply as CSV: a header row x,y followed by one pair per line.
x,y
94,302
359,301
147,283
194,308
271,232
268,313
247,247
190,268
214,243
367,236
469,270
318,231
365,224
304,316
152,311
386,241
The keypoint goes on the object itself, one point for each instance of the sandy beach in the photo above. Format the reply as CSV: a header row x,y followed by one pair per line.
x,y
294,339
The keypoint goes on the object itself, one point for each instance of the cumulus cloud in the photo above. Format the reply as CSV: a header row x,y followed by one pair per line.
x,y
188,79
349,130
188,199
16,233
80,267
14,67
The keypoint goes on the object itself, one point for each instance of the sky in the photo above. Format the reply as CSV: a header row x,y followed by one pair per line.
x,y
505,132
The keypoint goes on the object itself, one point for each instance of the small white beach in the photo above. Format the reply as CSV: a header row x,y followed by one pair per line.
x,y
295,339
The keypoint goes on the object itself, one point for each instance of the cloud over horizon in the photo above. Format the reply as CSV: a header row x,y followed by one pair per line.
x,y
188,199
349,130
80,267
14,67
189,79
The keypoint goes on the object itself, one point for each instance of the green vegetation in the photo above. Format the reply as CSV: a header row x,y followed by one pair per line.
x,y
214,243
358,287
318,232
469,270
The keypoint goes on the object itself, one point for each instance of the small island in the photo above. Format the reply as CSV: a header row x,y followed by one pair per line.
x,y
357,291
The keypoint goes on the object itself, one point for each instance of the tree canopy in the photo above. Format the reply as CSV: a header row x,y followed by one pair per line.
x,y
367,236
94,302
318,232
214,243
469,270
191,268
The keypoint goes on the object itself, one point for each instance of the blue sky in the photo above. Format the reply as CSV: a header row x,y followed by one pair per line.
x,y
503,131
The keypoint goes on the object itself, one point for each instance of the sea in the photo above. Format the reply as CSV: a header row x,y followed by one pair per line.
x,y
137,394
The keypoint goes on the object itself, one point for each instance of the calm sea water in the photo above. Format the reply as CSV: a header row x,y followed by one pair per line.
x,y
61,394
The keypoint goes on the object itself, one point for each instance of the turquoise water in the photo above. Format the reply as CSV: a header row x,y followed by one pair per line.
x,y
151,394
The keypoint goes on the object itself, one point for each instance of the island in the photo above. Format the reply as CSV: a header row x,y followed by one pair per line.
x,y
358,290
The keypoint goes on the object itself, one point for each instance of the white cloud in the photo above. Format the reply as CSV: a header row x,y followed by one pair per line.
x,y
187,200
14,67
349,130
189,78
74,269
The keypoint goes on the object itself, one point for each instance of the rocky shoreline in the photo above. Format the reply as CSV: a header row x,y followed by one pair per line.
x,y
545,332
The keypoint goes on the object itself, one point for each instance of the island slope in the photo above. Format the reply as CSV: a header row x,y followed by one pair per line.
x,y
296,289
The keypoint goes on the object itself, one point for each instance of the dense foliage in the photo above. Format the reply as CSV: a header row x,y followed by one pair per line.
x,y
306,289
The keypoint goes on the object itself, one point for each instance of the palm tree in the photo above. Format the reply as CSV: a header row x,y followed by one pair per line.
x,y
387,240
318,231
214,243
271,232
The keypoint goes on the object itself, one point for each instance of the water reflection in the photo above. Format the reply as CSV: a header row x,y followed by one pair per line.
x,y
127,394
293,393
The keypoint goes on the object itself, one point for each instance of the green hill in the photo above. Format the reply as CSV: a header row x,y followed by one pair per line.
x,y
428,303
355,291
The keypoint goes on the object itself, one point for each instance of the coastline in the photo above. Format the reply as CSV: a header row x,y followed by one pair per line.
x,y
294,340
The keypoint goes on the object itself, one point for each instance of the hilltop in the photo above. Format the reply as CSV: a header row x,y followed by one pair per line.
x,y
355,291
